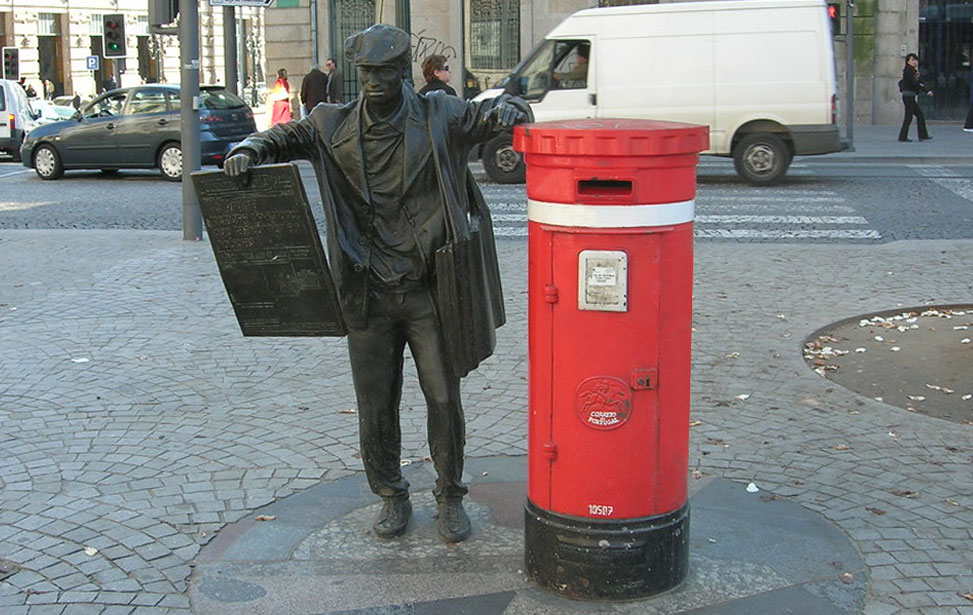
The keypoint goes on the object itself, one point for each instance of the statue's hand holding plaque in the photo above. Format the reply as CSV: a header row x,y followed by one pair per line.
x,y
269,252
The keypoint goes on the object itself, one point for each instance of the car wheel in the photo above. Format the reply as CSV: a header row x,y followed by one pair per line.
x,y
170,161
761,158
47,162
502,162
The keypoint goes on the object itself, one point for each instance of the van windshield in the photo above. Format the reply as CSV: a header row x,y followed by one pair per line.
x,y
554,65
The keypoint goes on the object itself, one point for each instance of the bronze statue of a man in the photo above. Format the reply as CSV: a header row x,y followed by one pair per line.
x,y
385,193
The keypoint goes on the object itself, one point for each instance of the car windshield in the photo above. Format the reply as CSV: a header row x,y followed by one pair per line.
x,y
219,98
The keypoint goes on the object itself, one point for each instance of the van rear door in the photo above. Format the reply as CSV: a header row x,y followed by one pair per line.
x,y
4,114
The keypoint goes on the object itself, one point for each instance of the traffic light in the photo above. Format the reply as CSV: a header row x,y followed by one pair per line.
x,y
834,16
163,12
11,63
114,35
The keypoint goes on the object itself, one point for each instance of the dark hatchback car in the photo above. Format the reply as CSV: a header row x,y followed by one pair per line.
x,y
137,128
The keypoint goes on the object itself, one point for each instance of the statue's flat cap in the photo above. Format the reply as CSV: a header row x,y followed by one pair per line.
x,y
379,44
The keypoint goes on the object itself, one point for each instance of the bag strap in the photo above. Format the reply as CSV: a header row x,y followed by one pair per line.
x,y
451,232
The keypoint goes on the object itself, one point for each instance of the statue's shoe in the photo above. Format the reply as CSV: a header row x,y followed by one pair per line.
x,y
394,517
452,523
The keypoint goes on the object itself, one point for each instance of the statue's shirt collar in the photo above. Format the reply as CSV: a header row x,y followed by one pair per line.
x,y
375,126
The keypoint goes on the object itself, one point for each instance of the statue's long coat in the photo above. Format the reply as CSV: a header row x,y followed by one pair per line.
x,y
330,138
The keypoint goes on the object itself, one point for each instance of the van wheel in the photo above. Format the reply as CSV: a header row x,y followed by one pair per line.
x,y
761,158
47,162
170,161
502,163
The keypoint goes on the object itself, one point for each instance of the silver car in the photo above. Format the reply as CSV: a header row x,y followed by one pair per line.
x,y
137,127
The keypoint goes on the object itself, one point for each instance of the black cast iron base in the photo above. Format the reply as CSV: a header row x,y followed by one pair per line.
x,y
606,559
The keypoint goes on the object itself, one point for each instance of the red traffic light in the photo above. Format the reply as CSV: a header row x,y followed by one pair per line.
x,y
834,16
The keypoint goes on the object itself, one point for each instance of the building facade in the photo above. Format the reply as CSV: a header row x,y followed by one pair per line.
x,y
488,38
482,39
60,45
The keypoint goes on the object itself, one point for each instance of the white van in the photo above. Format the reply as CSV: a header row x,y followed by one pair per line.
x,y
16,117
759,73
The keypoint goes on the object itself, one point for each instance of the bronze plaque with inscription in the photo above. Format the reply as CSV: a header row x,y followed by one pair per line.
x,y
269,252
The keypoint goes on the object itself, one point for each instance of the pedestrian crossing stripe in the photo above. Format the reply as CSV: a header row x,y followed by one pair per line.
x,y
772,219
746,233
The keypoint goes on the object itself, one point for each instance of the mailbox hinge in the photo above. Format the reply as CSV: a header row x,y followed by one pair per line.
x,y
550,450
551,294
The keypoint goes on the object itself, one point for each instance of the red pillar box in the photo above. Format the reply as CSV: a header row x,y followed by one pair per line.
x,y
610,243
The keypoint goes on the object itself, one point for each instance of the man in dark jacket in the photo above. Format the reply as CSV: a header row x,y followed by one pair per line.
x,y
314,90
389,165
335,86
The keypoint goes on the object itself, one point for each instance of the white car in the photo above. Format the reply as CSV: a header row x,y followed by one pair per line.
x,y
17,117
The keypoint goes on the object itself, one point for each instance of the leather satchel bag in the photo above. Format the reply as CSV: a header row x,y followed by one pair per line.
x,y
466,271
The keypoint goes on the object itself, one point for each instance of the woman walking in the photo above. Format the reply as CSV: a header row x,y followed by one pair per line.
x,y
911,87
280,96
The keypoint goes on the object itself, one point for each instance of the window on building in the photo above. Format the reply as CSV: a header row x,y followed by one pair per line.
x,y
349,17
47,24
494,34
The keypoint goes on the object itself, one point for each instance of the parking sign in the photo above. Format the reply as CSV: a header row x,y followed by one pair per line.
x,y
92,62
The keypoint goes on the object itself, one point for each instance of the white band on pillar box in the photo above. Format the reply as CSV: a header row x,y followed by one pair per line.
x,y
611,216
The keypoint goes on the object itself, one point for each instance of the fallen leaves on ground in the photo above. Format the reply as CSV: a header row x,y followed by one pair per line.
x,y
905,493
266,517
875,511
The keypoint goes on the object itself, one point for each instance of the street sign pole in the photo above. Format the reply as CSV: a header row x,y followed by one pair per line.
x,y
850,76
192,222
229,48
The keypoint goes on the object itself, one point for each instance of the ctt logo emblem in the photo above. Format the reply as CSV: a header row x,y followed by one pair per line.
x,y
603,402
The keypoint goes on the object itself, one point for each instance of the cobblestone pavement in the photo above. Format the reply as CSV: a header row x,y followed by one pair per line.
x,y
136,421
